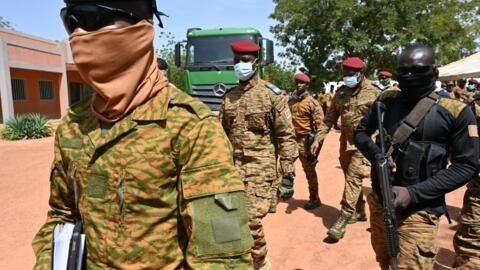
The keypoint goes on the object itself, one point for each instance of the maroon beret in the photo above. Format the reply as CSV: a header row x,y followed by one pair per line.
x,y
353,62
384,74
245,47
472,80
302,77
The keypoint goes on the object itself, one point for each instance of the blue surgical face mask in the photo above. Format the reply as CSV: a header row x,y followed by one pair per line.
x,y
350,81
471,86
244,70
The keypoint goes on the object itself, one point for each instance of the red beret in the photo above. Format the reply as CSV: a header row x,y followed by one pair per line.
x,y
302,77
245,47
353,62
472,80
384,74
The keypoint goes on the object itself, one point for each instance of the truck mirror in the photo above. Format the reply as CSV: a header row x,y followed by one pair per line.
x,y
269,52
178,54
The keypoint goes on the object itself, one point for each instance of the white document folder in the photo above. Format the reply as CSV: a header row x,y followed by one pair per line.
x,y
62,235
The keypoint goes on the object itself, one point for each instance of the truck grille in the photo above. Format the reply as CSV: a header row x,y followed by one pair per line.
x,y
206,95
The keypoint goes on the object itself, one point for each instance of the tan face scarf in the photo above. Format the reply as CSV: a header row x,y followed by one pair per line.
x,y
121,65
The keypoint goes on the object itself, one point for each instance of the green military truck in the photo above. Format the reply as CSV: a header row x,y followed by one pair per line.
x,y
209,61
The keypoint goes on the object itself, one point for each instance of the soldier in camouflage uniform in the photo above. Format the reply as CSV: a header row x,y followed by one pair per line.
x,y
466,241
307,116
146,168
257,121
420,176
467,237
351,102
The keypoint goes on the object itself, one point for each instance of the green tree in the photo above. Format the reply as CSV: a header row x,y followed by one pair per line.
x,y
176,75
5,24
280,75
322,33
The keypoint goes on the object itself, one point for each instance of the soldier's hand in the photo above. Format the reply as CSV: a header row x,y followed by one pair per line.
x,y
285,190
314,148
392,164
402,197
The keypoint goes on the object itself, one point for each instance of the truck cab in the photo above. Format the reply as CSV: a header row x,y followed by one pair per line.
x,y
208,61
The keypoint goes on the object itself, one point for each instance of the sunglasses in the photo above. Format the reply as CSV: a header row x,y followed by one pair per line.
x,y
414,70
93,17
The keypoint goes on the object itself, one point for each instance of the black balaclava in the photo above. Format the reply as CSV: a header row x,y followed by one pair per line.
x,y
417,73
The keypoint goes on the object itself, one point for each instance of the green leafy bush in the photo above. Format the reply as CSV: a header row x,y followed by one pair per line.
x,y
26,126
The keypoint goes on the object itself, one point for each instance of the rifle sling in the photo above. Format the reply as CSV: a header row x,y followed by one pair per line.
x,y
410,123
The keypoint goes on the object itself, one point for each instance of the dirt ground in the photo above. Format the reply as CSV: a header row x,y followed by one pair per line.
x,y
295,237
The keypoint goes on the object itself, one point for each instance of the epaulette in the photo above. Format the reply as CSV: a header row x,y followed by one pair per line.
x,y
378,86
454,106
274,88
388,94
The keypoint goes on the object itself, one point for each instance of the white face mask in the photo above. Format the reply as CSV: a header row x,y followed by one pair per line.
x,y
350,81
244,71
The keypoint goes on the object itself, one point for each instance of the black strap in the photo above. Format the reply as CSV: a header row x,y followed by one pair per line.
x,y
410,123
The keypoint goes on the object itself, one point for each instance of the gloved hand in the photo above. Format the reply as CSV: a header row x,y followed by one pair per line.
x,y
402,197
285,190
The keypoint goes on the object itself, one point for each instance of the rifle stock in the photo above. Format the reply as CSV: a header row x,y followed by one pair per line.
x,y
384,177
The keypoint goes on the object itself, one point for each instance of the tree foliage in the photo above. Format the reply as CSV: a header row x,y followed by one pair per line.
x,y
5,24
280,75
322,33
166,51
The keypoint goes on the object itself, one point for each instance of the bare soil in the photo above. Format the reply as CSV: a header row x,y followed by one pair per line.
x,y
295,237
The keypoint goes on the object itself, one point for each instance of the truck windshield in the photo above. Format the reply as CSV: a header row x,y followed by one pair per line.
x,y
213,49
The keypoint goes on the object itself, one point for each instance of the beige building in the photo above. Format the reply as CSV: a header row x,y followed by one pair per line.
x,y
36,76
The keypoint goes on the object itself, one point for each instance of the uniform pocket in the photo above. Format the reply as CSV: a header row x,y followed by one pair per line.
x,y
257,122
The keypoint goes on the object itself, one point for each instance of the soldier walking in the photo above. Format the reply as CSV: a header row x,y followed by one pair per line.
x,y
307,116
257,120
350,103
433,130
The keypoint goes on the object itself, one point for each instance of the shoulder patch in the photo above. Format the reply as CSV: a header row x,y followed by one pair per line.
x,y
455,107
274,88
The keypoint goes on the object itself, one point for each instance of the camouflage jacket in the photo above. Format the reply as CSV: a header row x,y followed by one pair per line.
x,y
150,188
350,105
307,115
257,121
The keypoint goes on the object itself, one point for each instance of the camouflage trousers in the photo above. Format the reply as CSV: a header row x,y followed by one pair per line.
x,y
259,196
355,167
417,236
310,172
467,238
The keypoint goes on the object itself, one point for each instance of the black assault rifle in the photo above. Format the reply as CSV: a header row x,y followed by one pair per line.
x,y
384,175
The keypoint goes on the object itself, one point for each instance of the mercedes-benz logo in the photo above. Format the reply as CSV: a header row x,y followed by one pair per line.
x,y
219,89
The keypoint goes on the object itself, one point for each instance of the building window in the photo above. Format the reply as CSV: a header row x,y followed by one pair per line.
x,y
46,90
79,91
18,89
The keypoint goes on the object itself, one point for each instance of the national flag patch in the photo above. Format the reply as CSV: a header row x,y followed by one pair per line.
x,y
286,113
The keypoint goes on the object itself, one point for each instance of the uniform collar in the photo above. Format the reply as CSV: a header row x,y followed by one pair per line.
x,y
250,83
155,108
